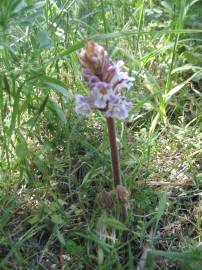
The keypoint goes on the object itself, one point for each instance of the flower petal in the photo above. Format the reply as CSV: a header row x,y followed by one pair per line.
x,y
84,105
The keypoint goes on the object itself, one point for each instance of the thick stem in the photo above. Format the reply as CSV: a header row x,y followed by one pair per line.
x,y
114,151
115,162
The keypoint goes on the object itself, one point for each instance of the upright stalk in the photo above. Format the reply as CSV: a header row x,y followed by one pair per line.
x,y
116,165
114,151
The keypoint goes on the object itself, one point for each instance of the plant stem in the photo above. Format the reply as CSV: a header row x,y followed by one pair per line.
x,y
114,151
115,162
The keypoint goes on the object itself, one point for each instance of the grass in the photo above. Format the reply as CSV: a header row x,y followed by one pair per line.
x,y
54,164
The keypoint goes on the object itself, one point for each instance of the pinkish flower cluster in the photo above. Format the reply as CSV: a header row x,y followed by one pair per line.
x,y
105,80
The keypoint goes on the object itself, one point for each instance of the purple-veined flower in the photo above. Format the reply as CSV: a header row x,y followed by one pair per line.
x,y
102,93
118,108
105,80
84,105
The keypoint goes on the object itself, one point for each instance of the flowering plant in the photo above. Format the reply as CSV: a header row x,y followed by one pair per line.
x,y
105,80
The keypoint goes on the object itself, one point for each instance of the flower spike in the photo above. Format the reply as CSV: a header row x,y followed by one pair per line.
x,y
105,80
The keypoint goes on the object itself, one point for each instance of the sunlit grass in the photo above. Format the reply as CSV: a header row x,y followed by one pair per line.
x,y
54,164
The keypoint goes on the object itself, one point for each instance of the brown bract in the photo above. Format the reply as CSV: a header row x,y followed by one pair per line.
x,y
107,200
122,193
94,58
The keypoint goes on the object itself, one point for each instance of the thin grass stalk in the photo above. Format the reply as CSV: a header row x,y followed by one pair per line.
x,y
104,20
